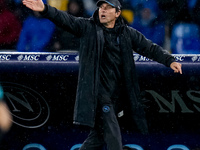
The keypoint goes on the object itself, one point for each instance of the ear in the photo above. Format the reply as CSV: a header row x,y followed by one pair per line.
x,y
118,13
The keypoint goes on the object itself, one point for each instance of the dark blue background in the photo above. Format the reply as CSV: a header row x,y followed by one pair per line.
x,y
56,82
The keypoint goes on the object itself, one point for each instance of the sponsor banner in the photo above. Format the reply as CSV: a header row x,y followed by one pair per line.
x,y
51,57
40,90
73,56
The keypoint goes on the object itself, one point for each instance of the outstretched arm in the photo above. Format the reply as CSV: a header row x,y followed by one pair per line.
x,y
176,67
35,5
75,25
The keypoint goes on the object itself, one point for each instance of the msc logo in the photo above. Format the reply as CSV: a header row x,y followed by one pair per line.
x,y
28,57
57,57
28,108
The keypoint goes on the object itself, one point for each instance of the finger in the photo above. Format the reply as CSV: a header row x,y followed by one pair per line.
x,y
29,5
29,0
177,69
180,70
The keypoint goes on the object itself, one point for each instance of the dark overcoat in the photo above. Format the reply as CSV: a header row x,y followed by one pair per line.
x,y
91,46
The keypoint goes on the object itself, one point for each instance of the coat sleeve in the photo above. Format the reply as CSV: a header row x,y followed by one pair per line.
x,y
72,24
145,47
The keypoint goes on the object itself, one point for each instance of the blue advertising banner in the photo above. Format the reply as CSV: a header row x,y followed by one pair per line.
x,y
40,90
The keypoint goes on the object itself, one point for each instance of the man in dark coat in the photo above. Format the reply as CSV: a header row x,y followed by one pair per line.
x,y
106,69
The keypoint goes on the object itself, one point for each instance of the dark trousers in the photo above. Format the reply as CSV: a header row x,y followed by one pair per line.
x,y
106,130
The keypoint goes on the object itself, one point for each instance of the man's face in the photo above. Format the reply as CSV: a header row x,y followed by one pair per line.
x,y
108,15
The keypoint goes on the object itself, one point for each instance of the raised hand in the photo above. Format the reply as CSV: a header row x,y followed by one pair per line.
x,y
35,5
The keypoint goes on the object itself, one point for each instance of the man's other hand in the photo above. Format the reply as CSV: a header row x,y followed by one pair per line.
x,y
176,67
35,5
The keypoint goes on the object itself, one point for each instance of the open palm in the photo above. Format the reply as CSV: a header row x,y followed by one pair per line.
x,y
35,5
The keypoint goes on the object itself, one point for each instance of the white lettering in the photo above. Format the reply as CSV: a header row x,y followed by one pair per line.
x,y
31,57
142,58
5,57
180,58
60,57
